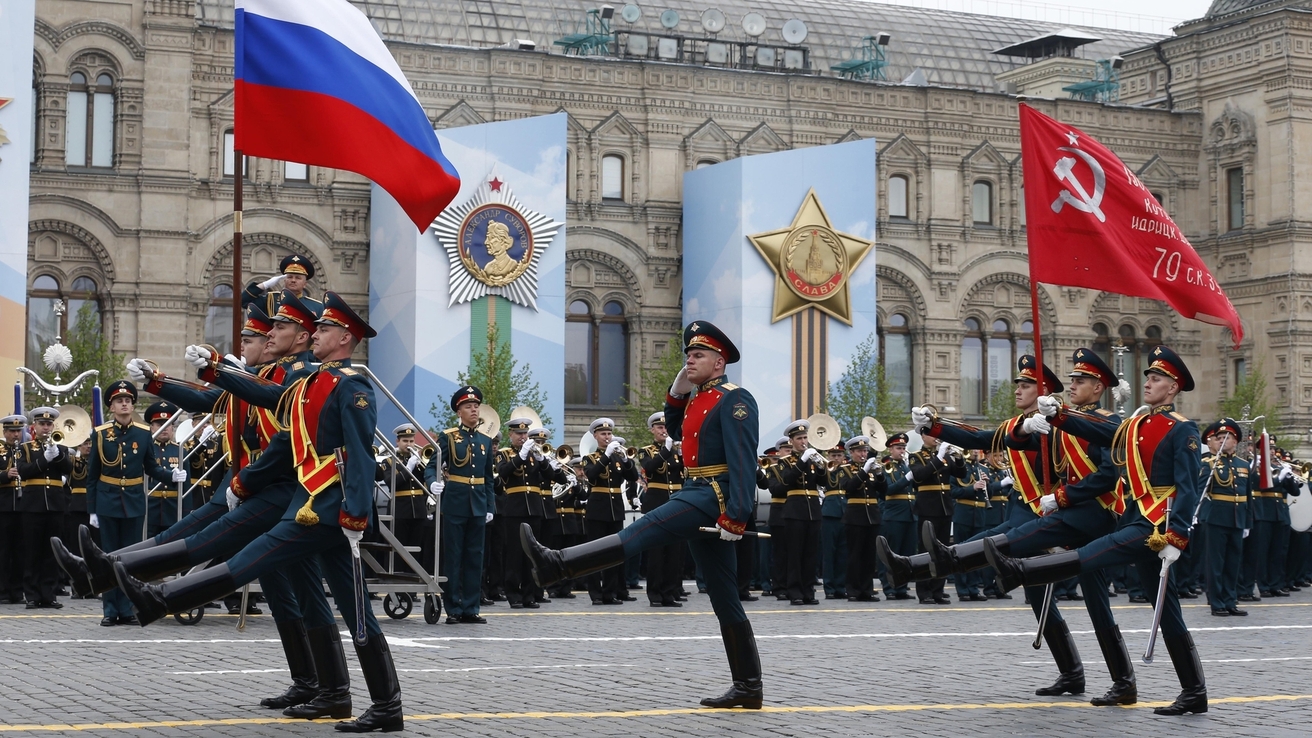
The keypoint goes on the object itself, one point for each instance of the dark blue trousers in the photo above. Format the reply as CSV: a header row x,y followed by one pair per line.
x,y
970,582
288,543
462,561
717,560
196,520
115,533
1018,516
1225,558
1072,526
1127,546
902,538
833,555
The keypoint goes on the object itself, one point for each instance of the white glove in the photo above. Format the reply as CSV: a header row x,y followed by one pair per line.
x,y
236,360
179,475
571,479
1285,473
233,500
437,487
137,369
1121,392
207,434
273,283
870,464
51,451
812,455
1245,533
488,518
822,493
1168,556
1007,481
920,417
728,536
197,356
669,443
1048,503
527,448
353,537
613,447
636,502
95,520
1049,405
911,477
553,462
943,449
681,387
1036,424
412,462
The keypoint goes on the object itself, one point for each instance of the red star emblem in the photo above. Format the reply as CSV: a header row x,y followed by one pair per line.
x,y
495,184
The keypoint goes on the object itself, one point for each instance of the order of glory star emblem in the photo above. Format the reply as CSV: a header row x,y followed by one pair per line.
x,y
494,244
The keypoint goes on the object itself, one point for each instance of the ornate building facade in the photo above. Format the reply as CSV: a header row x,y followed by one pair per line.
x,y
132,179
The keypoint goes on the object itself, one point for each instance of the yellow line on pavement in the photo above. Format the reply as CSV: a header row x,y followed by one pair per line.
x,y
812,709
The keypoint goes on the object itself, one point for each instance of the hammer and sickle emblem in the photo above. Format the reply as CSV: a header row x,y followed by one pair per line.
x,y
1082,200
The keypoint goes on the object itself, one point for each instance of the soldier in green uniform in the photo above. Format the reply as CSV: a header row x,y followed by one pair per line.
x,y
1223,512
11,529
464,486
293,272
662,466
833,538
970,499
162,506
122,455
43,466
898,512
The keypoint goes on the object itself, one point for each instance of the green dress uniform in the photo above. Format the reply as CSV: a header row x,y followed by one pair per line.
x,y
833,537
968,519
1224,513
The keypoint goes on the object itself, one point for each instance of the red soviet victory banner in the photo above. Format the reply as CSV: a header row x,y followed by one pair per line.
x,y
1092,223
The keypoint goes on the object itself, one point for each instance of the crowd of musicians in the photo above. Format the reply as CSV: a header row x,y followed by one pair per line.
x,y
282,434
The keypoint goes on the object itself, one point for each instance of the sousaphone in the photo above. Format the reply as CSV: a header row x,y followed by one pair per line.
x,y
524,411
872,429
825,432
489,422
73,425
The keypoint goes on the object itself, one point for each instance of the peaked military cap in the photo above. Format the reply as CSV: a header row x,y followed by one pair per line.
x,y
782,443
1028,372
257,322
13,422
704,334
296,264
44,413
404,430
895,439
118,389
601,424
468,393
655,419
539,434
1229,425
160,410
337,312
796,428
292,310
518,424
1169,364
1089,364
856,442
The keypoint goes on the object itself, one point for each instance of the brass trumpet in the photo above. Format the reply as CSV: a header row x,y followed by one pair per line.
x,y
428,452
630,452
564,453
545,449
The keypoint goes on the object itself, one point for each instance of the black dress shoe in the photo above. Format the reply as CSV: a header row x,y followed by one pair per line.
x,y
485,602
533,605
1077,597
942,599
453,621
797,602
781,597
108,622
748,598
928,601
812,601
628,598
517,606
1220,613
1234,611
977,597
473,620
31,605
52,605
128,620
1281,593
1138,599
672,603
903,596
746,694
1003,596
1246,598
1185,594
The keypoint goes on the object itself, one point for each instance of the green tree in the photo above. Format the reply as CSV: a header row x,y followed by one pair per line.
x,y
1002,404
504,383
642,401
91,350
863,390
1251,393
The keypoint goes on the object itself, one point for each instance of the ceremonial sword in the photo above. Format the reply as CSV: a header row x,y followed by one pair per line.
x,y
357,567
1161,594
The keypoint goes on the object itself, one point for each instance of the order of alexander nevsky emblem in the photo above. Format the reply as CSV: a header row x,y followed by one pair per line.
x,y
494,245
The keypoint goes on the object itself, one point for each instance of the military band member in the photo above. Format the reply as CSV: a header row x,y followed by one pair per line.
x,y
293,272
76,516
162,507
833,538
1224,513
776,523
409,494
551,474
865,487
571,505
11,528
898,513
518,480
122,455
1159,452
663,469
329,412
931,470
717,424
798,478
205,467
1267,546
607,468
1002,495
42,465
970,497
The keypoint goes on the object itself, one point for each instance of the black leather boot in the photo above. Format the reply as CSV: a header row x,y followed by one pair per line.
x,y
1123,691
1193,695
156,562
1033,571
744,667
305,682
1058,636
384,690
100,565
960,558
902,569
551,566
75,567
334,697
154,601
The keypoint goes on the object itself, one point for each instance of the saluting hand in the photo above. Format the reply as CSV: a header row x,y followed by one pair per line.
x,y
681,387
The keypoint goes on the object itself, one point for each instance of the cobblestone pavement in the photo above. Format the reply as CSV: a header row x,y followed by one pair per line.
x,y
569,669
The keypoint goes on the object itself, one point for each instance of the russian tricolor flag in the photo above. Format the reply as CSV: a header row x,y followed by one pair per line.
x,y
316,85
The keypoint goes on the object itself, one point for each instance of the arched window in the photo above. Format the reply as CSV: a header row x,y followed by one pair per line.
x,y
981,202
89,124
612,177
706,163
218,319
988,360
54,311
895,357
295,172
897,197
596,354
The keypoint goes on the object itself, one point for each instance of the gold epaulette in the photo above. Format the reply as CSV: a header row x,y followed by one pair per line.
x,y
1178,416
348,371
728,386
105,426
142,426
1104,412
450,431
